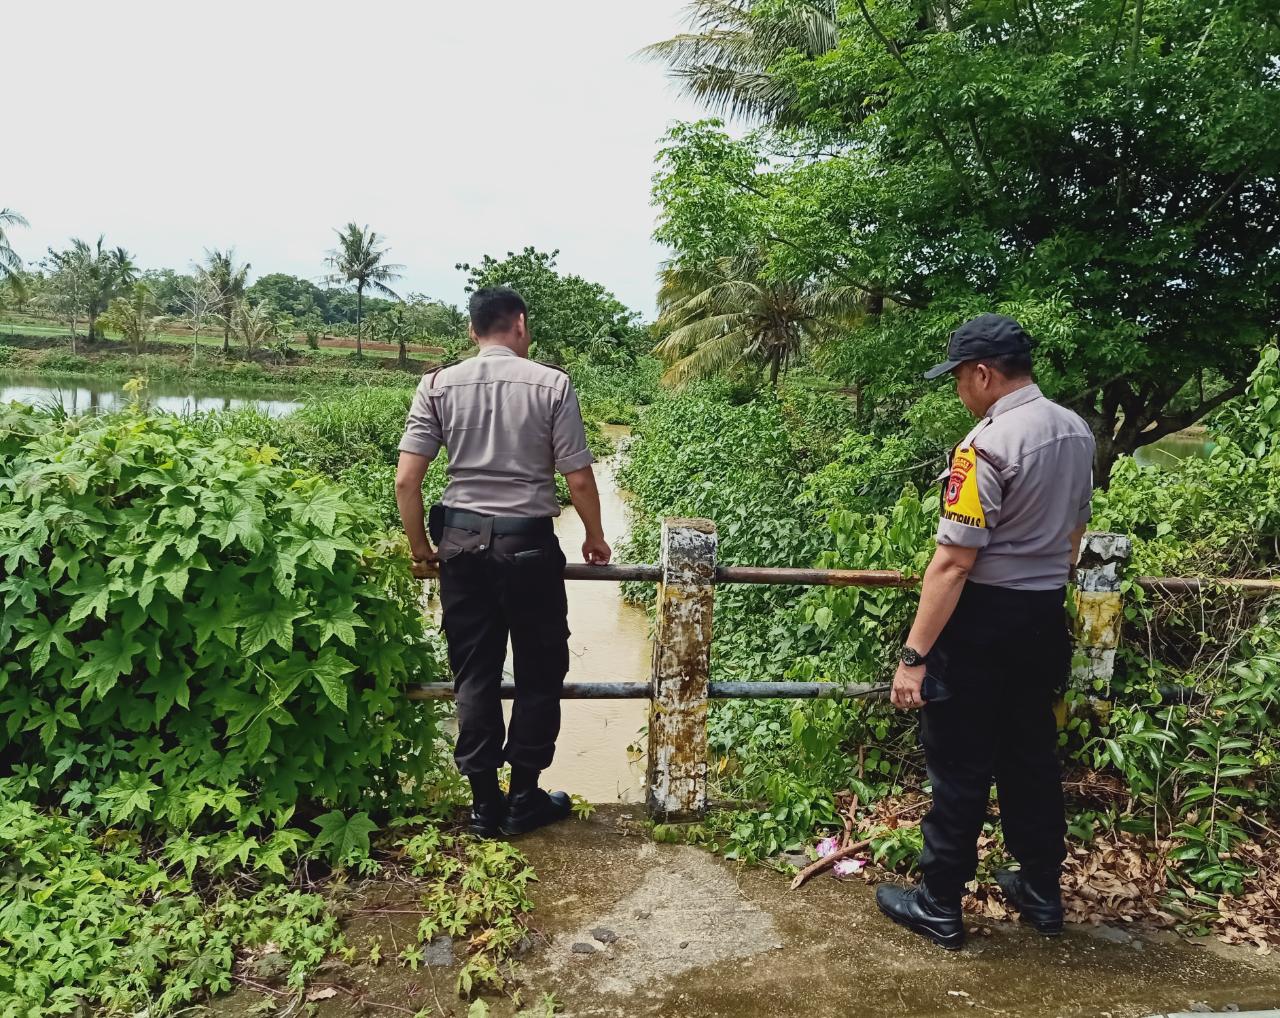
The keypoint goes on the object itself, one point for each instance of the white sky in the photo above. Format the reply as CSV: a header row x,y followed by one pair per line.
x,y
453,128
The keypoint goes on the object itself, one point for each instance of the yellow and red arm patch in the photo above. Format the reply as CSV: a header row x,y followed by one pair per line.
x,y
960,500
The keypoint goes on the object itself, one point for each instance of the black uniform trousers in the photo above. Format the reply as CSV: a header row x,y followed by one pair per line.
x,y
997,669
513,587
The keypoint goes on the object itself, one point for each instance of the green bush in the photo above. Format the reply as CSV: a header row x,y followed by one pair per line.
x,y
96,920
1186,725
199,636
57,360
615,392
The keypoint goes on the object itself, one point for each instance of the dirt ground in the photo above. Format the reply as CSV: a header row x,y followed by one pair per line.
x,y
627,927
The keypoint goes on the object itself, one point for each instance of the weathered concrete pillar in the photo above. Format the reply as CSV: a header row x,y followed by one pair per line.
x,y
1099,611
681,671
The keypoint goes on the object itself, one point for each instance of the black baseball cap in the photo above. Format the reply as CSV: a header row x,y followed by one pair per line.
x,y
987,335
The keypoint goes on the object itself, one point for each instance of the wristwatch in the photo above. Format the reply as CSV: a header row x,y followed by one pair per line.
x,y
912,658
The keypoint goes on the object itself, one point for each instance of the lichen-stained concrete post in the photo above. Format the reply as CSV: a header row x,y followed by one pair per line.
x,y
681,670
1099,611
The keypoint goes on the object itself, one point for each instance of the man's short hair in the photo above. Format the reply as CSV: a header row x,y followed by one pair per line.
x,y
1012,365
495,309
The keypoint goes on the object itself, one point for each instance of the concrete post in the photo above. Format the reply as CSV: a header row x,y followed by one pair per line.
x,y
681,672
1099,611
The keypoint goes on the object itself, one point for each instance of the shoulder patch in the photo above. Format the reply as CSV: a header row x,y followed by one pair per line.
x,y
960,500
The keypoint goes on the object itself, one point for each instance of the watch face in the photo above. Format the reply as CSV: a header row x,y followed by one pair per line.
x,y
910,658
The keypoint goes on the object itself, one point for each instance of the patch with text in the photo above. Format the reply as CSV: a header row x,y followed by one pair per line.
x,y
960,500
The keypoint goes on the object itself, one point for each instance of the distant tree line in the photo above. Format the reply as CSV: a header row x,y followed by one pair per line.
x,y
98,286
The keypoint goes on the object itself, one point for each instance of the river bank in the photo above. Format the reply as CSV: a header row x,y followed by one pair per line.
x,y
626,927
111,360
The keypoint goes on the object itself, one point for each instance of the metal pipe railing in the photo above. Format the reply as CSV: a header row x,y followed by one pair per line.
x,y
749,574
787,576
643,690
1195,584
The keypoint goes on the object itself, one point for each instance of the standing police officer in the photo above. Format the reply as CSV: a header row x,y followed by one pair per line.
x,y
508,424
990,650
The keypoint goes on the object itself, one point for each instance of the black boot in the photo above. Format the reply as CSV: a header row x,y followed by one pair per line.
x,y
1039,902
487,817
533,808
488,805
917,910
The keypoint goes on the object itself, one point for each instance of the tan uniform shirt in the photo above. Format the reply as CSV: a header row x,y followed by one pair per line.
x,y
1019,484
508,423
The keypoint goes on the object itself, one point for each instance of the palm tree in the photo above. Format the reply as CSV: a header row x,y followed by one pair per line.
x,y
254,325
729,313
136,317
401,324
357,262
10,263
228,281
99,274
726,59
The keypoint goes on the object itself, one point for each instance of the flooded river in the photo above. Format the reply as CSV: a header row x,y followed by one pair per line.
x,y
610,643
599,752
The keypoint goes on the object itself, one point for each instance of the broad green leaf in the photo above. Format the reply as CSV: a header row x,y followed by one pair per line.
x,y
345,838
329,670
262,624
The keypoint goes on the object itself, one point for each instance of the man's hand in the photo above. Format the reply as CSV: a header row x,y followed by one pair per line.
x,y
424,566
906,687
586,499
596,552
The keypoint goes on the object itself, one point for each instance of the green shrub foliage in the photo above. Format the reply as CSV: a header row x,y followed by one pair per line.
x,y
1186,724
197,636
154,942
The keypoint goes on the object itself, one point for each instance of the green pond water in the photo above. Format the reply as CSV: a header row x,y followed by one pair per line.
x,y
81,397
1173,448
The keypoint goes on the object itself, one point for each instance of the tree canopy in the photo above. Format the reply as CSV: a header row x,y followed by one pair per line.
x,y
566,312
92,276
1107,173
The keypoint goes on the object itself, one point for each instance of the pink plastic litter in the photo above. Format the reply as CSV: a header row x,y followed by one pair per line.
x,y
827,845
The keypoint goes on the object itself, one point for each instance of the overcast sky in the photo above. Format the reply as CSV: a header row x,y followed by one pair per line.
x,y
452,127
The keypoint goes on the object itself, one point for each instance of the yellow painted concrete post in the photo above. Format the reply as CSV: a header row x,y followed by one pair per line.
x,y
1099,611
681,671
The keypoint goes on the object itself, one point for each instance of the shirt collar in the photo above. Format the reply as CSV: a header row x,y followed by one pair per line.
x,y
1017,398
497,351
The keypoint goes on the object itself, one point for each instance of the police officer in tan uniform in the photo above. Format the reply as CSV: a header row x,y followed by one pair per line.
x,y
508,424
990,650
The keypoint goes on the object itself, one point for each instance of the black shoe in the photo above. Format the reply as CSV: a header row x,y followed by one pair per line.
x,y
919,912
487,817
1040,908
535,808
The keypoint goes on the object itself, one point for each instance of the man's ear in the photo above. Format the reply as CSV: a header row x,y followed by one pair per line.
x,y
471,331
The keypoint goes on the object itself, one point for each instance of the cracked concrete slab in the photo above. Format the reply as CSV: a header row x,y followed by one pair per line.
x,y
681,916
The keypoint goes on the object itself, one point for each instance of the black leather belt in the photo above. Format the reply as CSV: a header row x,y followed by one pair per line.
x,y
463,520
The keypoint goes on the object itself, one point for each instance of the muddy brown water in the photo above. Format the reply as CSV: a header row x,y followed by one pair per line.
x,y
599,753
596,755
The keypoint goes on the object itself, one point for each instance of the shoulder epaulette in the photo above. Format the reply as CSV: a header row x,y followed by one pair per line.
x,y
556,367
439,368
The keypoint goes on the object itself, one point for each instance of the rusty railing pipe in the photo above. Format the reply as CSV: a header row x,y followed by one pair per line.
x,y
749,574
716,691
1195,584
